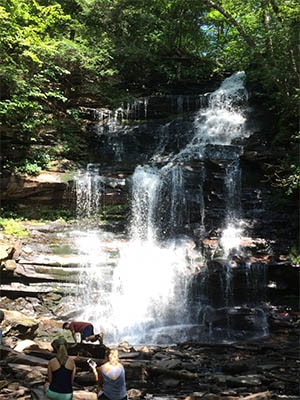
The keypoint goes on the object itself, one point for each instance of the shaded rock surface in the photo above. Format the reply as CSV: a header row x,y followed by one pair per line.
x,y
34,304
195,370
159,128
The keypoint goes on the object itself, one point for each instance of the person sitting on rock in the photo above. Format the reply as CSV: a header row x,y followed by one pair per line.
x,y
85,329
61,373
110,377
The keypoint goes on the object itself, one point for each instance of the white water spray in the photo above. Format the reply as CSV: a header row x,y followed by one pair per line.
x,y
222,122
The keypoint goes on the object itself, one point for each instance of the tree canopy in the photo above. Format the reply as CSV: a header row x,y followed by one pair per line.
x,y
55,54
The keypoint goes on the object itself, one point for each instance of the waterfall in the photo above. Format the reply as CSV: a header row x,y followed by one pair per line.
x,y
153,285
89,190
178,200
152,275
232,233
217,127
146,182
222,122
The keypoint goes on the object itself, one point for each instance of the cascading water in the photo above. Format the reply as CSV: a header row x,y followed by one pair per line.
x,y
146,182
142,291
150,279
88,192
232,233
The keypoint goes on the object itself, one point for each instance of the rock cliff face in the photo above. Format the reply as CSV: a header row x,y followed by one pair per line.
x,y
200,186
45,188
153,131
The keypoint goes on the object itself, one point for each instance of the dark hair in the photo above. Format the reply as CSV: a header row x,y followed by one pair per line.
x,y
1,315
65,324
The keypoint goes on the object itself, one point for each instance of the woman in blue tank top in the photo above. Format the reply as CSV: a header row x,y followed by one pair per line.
x,y
111,378
61,373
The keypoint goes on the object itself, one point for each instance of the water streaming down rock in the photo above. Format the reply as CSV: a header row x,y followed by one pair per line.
x,y
145,201
89,191
162,287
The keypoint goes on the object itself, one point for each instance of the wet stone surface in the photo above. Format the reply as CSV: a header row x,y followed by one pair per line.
x,y
35,305
189,369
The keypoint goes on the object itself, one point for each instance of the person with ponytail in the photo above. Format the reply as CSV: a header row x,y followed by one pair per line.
x,y
61,373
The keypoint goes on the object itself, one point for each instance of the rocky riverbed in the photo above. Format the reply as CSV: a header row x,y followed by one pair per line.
x,y
261,369
32,298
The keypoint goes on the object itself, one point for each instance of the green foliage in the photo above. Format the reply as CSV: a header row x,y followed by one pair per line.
x,y
292,181
43,214
285,172
294,255
13,227
39,161
56,53
114,211
29,168
50,214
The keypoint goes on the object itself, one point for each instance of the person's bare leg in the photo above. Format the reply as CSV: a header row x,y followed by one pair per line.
x,y
94,338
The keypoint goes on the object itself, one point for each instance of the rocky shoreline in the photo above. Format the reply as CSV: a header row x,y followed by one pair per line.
x,y
32,298
260,369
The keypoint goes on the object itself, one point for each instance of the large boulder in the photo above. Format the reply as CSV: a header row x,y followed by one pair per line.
x,y
19,325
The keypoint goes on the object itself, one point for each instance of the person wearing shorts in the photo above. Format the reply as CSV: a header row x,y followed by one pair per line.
x,y
86,330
